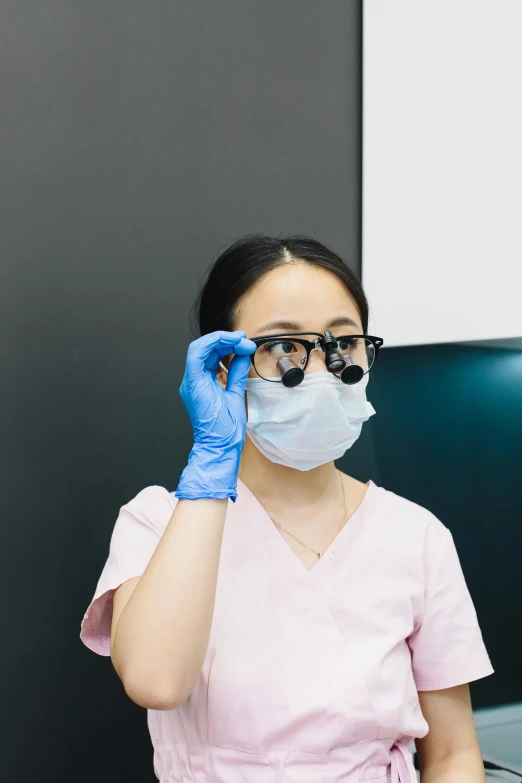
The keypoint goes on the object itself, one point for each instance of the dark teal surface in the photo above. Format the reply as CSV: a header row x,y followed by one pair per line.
x,y
447,434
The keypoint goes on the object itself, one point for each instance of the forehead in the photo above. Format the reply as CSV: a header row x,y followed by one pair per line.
x,y
308,296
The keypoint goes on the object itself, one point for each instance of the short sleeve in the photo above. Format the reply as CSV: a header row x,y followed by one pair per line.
x,y
137,531
446,645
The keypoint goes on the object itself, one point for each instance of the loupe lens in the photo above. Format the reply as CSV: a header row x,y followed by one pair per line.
x,y
290,374
356,350
275,358
353,372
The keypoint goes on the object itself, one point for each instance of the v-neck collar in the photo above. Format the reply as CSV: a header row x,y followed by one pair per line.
x,y
283,556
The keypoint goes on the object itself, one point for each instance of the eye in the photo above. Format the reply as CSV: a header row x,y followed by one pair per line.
x,y
345,343
281,347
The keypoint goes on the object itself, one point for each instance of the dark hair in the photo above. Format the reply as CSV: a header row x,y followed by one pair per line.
x,y
243,263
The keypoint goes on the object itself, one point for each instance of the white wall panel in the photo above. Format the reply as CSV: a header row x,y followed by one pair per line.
x,y
442,169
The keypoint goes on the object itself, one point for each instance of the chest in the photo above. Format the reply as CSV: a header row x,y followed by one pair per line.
x,y
318,541
305,543
292,650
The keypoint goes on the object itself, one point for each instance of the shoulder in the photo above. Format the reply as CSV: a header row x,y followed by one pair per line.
x,y
411,525
153,506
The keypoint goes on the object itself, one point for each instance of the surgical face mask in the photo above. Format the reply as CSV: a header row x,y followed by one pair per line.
x,y
307,425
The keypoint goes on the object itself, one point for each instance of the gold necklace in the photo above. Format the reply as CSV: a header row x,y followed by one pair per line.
x,y
319,554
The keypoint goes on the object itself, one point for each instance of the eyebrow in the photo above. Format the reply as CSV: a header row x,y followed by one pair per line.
x,y
292,326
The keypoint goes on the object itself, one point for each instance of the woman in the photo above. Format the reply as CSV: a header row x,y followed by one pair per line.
x,y
281,620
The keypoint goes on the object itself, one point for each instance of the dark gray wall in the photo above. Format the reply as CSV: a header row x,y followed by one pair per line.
x,y
137,139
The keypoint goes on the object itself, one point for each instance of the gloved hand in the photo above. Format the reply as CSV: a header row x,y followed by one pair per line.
x,y
218,416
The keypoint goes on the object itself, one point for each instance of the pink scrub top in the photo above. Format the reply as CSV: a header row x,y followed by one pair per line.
x,y
310,676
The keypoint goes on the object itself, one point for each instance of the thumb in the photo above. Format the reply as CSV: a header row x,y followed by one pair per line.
x,y
237,375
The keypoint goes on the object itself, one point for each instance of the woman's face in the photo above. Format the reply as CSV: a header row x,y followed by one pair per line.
x,y
297,297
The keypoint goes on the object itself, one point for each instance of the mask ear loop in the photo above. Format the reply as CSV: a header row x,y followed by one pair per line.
x,y
246,393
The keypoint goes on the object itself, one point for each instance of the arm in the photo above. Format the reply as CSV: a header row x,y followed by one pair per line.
x,y
450,752
161,620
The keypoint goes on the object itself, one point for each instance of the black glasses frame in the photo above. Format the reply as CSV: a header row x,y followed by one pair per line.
x,y
309,346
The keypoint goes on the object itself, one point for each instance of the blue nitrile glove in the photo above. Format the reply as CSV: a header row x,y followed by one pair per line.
x,y
218,416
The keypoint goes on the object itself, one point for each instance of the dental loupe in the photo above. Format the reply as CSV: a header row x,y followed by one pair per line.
x,y
350,371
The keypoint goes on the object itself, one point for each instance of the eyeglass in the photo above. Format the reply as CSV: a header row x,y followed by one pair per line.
x,y
282,358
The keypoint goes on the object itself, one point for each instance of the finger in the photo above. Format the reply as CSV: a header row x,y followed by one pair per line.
x,y
246,346
237,375
205,352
